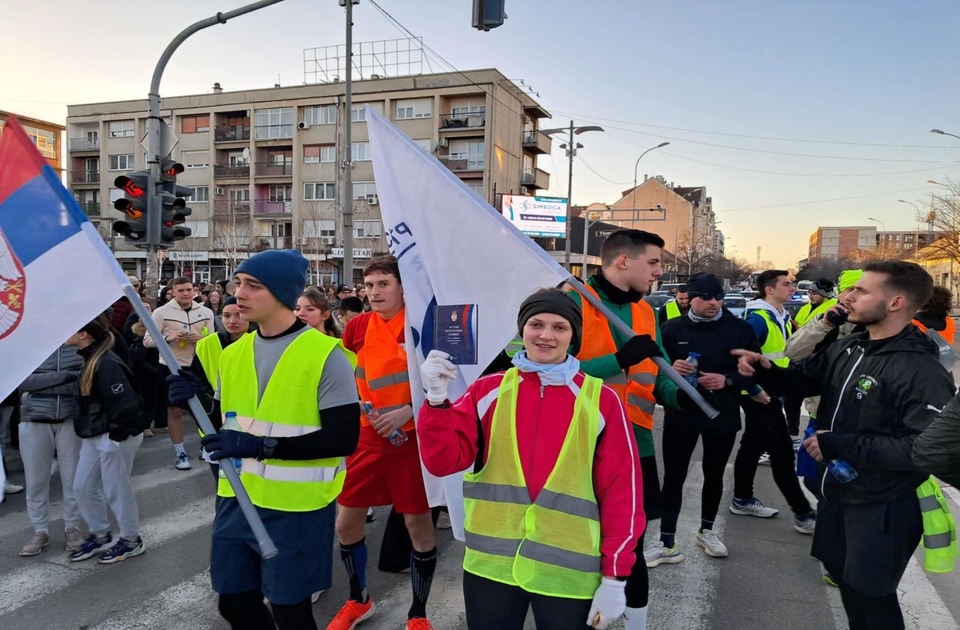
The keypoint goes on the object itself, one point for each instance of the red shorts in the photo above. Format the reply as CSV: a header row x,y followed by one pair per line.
x,y
379,473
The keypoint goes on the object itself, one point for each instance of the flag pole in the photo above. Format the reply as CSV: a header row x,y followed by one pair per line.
x,y
665,367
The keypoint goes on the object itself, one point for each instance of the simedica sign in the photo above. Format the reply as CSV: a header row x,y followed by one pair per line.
x,y
536,216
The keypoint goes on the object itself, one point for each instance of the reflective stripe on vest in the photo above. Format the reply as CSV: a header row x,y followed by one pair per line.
x,y
381,373
515,346
209,350
940,550
775,344
550,546
673,309
635,387
288,408
807,313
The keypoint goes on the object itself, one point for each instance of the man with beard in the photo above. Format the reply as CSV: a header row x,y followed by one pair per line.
x,y
879,390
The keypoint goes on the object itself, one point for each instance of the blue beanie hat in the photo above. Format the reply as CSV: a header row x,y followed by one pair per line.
x,y
282,271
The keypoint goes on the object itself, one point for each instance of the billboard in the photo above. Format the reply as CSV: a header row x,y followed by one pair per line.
x,y
536,216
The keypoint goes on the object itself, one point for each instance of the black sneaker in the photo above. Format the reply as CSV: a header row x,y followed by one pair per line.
x,y
122,550
91,547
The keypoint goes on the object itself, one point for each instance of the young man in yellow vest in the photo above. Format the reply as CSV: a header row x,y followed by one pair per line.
x,y
676,307
765,426
385,469
293,391
879,390
821,300
630,264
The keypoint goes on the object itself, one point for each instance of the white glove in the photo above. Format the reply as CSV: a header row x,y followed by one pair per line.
x,y
609,602
436,372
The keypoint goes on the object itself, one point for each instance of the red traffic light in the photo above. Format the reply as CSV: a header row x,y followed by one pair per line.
x,y
129,186
175,169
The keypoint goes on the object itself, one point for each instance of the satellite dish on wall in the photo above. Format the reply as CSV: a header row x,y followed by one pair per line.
x,y
246,154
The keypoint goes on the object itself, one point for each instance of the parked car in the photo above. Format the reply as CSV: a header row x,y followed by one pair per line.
x,y
670,287
735,303
749,294
657,299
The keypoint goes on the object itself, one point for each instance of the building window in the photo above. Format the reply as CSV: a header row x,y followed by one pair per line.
x,y
198,229
320,115
319,228
414,108
239,195
46,141
362,190
467,110
122,162
280,192
200,194
195,124
367,229
120,128
319,191
328,153
358,112
311,153
360,152
274,123
424,143
195,159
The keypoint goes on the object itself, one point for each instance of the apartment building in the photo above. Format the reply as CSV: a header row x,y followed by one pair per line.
x,y
47,136
841,242
266,165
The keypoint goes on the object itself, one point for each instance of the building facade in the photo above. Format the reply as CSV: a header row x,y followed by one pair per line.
x,y
267,165
47,136
851,242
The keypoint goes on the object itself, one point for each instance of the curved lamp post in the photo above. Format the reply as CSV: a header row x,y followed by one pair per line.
x,y
944,133
633,203
884,236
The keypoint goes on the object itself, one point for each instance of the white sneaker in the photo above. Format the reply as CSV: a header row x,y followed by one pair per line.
x,y
712,546
182,462
752,507
11,488
764,460
658,554
443,521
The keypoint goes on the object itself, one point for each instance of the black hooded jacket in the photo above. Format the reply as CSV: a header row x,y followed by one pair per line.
x,y
876,398
113,402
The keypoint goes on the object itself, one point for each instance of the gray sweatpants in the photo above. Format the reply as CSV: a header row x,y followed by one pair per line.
x,y
103,477
38,443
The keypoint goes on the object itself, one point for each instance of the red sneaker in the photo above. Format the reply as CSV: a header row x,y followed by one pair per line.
x,y
352,613
419,623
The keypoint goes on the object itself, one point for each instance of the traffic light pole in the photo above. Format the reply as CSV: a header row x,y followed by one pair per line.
x,y
156,151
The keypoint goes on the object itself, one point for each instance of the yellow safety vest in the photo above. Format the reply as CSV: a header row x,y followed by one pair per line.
x,y
807,313
209,350
550,546
673,309
775,344
288,409
515,346
939,529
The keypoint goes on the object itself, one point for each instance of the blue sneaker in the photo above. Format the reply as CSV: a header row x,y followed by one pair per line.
x,y
122,550
91,547
752,507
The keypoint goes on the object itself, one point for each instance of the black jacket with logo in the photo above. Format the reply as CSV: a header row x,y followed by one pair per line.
x,y
876,398
113,402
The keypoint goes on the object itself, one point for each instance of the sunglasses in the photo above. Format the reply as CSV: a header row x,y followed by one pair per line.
x,y
705,296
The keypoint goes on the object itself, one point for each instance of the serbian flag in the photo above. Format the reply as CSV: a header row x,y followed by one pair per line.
x,y
56,273
465,268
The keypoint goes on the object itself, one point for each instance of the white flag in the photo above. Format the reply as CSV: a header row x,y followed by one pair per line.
x,y
454,250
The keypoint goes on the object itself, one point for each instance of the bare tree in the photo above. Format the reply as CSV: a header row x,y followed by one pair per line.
x,y
694,251
232,233
308,233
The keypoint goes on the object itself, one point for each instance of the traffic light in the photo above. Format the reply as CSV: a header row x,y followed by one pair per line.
x,y
173,203
136,188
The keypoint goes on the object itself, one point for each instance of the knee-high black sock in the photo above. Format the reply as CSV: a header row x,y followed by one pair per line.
x,y
354,558
422,566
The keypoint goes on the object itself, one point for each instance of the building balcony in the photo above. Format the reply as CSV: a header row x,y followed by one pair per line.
x,y
273,242
231,134
451,122
535,178
90,208
84,144
274,169
231,171
462,164
84,177
268,208
226,207
274,132
536,142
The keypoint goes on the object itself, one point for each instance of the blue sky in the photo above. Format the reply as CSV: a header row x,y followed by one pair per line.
x,y
764,102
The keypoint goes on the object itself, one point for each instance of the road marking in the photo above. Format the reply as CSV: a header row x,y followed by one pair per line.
x,y
184,603
923,609
54,572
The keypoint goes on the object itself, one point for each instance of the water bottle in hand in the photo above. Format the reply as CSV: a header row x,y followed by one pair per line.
x,y
842,470
398,437
694,359
231,423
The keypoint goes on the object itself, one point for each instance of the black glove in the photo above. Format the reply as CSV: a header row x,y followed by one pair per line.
x,y
228,443
119,434
637,348
183,386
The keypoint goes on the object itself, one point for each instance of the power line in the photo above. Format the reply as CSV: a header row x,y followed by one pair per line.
x,y
590,168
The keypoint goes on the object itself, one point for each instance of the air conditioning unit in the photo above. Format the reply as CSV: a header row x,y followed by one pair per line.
x,y
219,190
327,240
373,200
443,143
303,125
526,119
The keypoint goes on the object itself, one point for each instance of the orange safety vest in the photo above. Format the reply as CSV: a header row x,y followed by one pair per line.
x,y
947,333
635,387
382,376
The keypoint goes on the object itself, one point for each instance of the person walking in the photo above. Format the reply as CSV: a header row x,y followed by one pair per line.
x,y
561,544
49,406
111,425
295,400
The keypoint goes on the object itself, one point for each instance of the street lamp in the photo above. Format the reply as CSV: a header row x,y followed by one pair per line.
x,y
883,237
633,203
571,148
944,133
916,236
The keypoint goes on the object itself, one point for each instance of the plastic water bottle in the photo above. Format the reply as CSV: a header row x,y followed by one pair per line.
x,y
182,343
694,359
398,437
842,470
231,423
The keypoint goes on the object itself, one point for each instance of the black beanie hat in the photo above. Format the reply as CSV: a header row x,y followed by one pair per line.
x,y
556,302
703,282
230,300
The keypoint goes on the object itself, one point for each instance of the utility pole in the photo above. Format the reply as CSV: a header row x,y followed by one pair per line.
x,y
347,164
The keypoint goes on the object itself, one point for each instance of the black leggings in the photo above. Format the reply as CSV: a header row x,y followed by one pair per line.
x,y
246,611
868,613
765,430
678,445
494,606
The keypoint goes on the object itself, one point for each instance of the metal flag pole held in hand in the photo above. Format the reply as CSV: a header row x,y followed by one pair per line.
x,y
662,363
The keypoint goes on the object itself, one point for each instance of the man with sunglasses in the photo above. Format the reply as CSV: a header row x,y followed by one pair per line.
x,y
711,331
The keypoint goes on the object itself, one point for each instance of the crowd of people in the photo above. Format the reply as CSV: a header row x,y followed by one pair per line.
x,y
309,392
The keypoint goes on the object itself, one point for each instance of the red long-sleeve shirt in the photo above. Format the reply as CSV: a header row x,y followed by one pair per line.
x,y
448,444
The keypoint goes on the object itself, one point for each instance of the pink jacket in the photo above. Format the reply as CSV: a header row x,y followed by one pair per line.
x,y
448,444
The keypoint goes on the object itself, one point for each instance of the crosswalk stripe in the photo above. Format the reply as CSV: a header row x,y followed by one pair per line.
x,y
56,572
183,601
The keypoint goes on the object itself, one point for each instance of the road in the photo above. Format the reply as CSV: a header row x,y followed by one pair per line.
x,y
768,581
